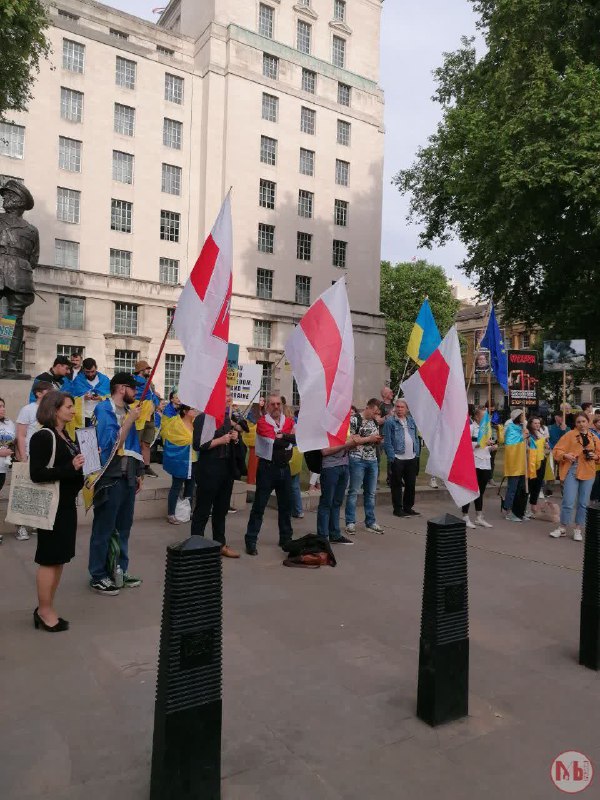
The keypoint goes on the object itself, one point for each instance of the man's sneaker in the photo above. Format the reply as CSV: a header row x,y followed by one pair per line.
x,y
130,581
433,483
104,586
577,537
375,528
351,527
558,532
341,540
492,482
412,513
150,472
21,535
510,517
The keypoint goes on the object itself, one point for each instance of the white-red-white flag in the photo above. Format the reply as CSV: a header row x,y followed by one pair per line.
x,y
321,352
202,325
437,400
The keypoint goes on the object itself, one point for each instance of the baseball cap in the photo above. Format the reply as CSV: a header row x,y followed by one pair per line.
x,y
123,379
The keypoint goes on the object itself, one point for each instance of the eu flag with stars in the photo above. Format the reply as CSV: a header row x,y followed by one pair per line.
x,y
493,342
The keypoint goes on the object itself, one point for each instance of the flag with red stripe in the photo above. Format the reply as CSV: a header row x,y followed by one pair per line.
x,y
202,325
437,400
321,352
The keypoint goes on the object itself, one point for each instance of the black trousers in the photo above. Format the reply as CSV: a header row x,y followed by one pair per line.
x,y
271,477
535,484
483,478
403,482
214,484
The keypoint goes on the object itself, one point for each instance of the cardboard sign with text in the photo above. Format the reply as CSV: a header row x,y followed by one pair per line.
x,y
247,388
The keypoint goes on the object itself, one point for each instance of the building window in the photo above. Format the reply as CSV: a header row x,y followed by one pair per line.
x,y
338,52
264,284
71,104
69,154
122,167
303,290
124,120
308,119
305,204
71,311
66,254
126,318
307,162
339,253
125,73
309,80
266,195
165,51
525,341
262,334
268,150
68,205
303,246
295,393
120,263
73,56
170,222
168,270
172,133
121,216
596,397
340,213
266,238
303,36
173,89
270,66
343,94
173,364
171,179
125,360
343,132
265,20
118,34
270,107
67,15
339,10
577,397
170,326
12,140
267,378
342,172
68,350
304,3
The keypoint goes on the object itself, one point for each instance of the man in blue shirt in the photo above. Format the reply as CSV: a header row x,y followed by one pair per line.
x,y
557,430
402,447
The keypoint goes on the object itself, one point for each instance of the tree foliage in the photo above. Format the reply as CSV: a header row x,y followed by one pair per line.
x,y
403,289
23,44
513,169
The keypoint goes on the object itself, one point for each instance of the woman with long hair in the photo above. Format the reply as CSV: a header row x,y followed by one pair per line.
x,y
55,547
538,453
177,434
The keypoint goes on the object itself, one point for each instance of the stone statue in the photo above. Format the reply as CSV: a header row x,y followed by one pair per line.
x,y
19,254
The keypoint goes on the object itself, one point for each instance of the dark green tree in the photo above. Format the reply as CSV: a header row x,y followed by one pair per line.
x,y
403,289
513,169
23,44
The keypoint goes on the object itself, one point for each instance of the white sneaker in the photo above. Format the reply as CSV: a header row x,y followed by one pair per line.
x,y
351,527
510,517
558,532
468,522
21,535
375,528
542,495
479,520
577,537
527,515
433,483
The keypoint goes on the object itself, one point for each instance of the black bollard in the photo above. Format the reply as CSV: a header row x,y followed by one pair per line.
x,y
186,753
589,630
443,692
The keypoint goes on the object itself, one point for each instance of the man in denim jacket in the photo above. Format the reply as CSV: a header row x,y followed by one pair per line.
x,y
402,447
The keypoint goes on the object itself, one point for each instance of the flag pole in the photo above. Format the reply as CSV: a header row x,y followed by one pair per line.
x,y
251,403
160,352
564,395
402,378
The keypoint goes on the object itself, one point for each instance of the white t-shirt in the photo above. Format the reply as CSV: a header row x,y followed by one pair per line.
x,y
483,457
409,448
28,416
7,434
89,406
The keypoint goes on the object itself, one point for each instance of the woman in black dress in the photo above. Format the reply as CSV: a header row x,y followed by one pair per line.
x,y
55,548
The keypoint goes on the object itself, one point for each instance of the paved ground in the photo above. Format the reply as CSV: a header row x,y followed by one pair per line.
x,y
320,672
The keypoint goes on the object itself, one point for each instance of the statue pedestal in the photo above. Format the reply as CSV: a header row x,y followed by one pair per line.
x,y
15,392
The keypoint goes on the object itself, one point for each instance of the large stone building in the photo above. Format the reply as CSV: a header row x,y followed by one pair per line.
x,y
135,133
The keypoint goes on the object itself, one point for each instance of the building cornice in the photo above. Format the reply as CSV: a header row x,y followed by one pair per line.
x,y
306,11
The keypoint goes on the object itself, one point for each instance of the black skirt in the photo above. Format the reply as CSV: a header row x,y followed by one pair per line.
x,y
57,546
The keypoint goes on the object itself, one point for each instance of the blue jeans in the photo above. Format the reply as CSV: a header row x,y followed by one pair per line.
x,y
177,484
113,511
333,488
362,473
512,484
297,509
575,492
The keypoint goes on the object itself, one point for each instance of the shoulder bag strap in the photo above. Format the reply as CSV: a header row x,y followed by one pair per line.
x,y
53,456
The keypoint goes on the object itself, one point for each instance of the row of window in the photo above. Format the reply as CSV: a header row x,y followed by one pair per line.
x,y
71,315
304,245
308,119
267,198
264,286
266,27
268,155
66,255
125,71
309,79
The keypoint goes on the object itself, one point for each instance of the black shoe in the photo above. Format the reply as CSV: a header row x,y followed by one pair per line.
x,y
341,540
285,545
150,472
38,622
400,514
252,551
104,586
412,513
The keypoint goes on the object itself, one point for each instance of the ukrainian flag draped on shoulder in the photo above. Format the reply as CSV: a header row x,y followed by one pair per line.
x,y
425,337
78,388
178,454
485,431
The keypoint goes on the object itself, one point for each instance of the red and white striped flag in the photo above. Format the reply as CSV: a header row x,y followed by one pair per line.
x,y
437,400
202,325
321,352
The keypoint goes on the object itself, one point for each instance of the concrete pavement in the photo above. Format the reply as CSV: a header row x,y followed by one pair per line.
x,y
320,671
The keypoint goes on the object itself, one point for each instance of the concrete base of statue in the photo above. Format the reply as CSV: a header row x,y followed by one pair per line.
x,y
15,393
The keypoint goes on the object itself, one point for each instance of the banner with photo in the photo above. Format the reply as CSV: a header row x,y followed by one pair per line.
x,y
523,378
564,355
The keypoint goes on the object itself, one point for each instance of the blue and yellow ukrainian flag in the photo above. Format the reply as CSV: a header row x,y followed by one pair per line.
x,y
485,431
425,337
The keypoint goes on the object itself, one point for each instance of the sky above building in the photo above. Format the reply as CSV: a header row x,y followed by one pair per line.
x,y
414,37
